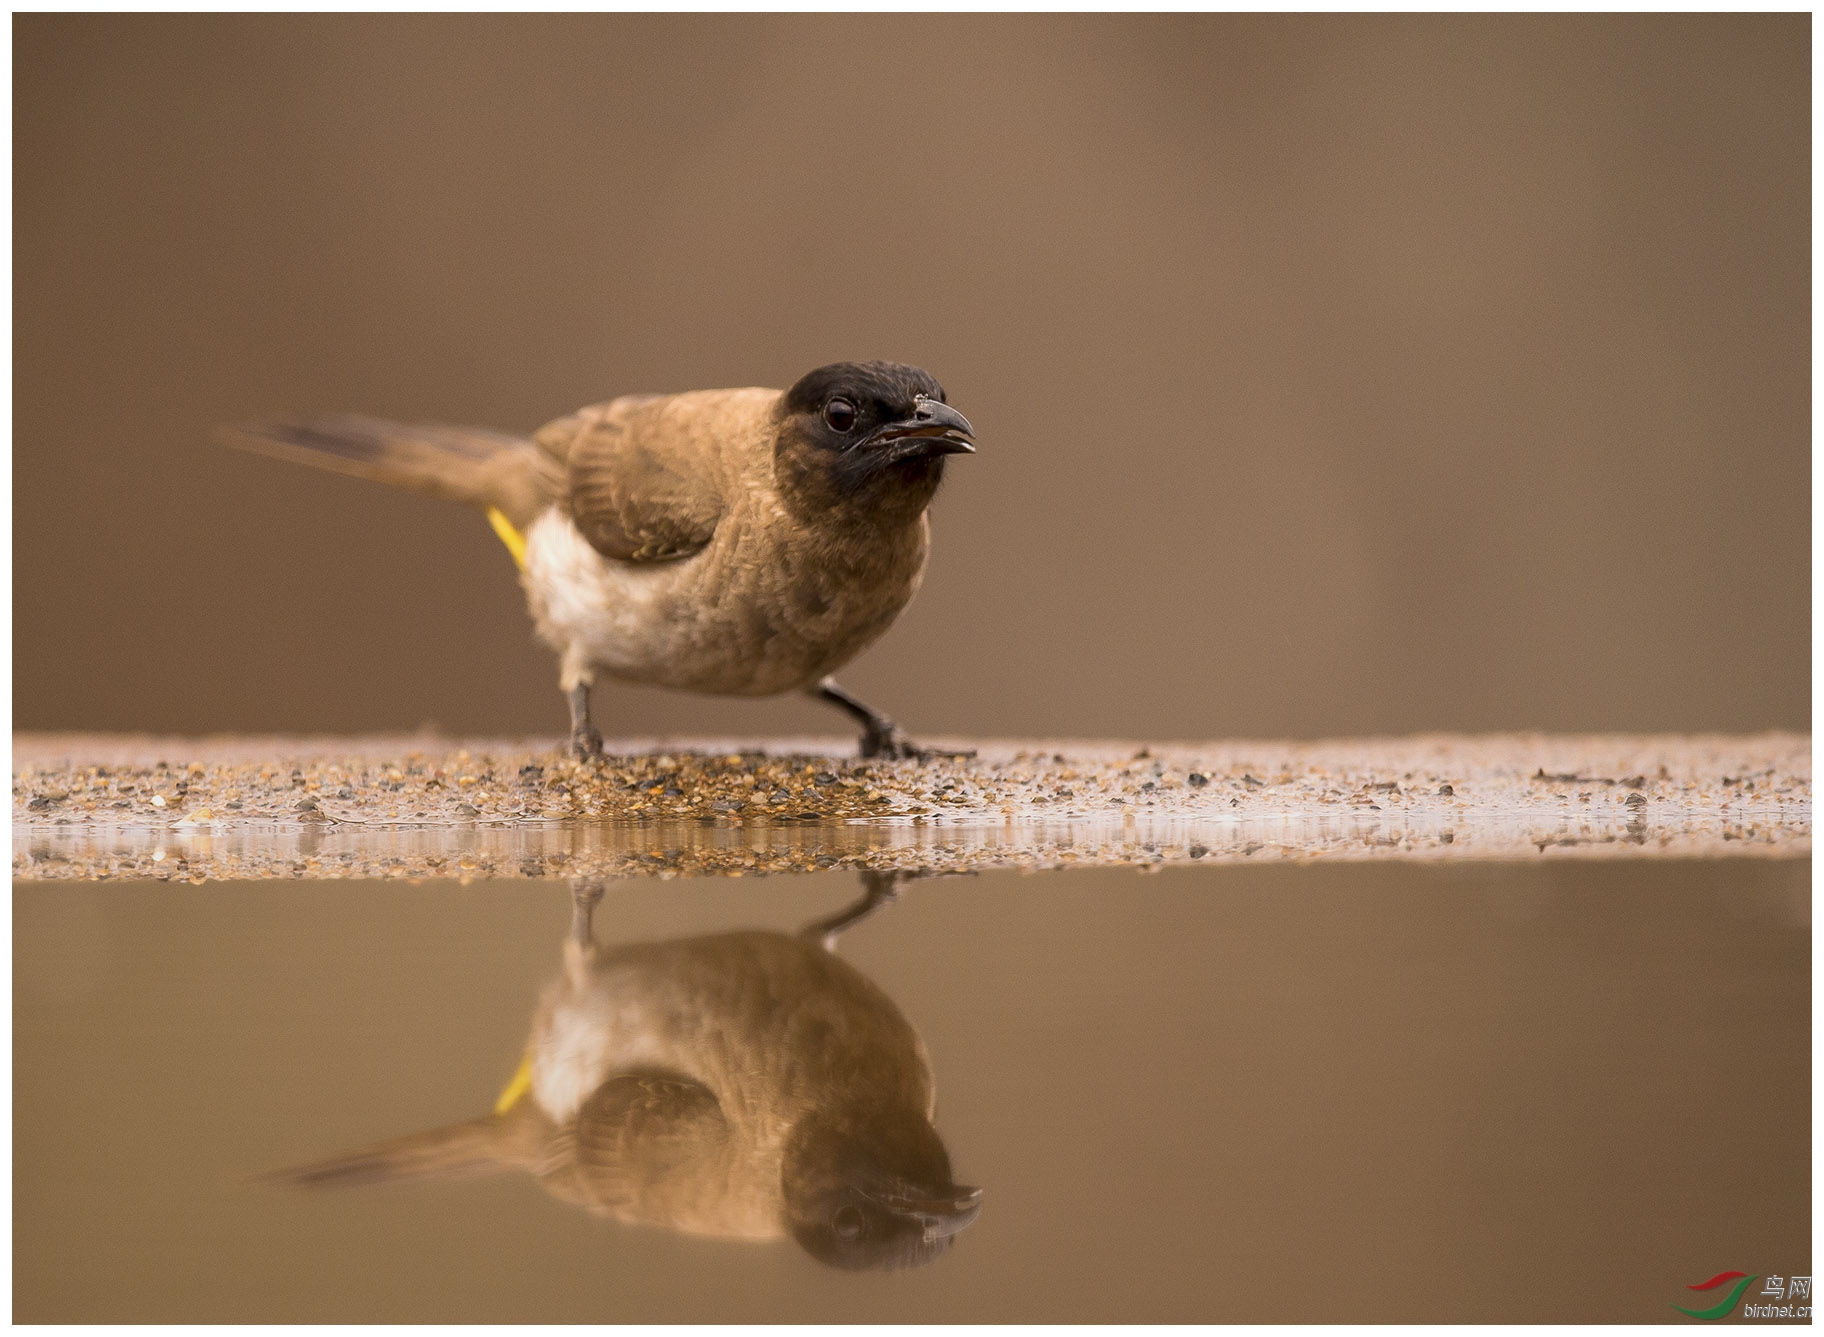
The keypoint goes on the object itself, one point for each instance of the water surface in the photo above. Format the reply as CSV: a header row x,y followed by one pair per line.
x,y
1374,1091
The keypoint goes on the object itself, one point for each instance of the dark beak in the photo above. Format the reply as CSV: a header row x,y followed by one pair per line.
x,y
933,429
941,1214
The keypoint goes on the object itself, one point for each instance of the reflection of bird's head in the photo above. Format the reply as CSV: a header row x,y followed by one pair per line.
x,y
873,1192
873,433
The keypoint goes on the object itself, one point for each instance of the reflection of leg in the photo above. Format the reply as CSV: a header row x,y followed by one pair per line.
x,y
579,947
878,889
585,738
585,894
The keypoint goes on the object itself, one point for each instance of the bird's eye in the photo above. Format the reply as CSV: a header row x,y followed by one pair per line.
x,y
839,414
847,1222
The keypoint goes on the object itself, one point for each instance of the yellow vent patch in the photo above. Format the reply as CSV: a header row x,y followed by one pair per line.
x,y
515,541
522,1080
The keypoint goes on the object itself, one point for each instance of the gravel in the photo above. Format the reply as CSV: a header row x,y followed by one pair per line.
x,y
117,806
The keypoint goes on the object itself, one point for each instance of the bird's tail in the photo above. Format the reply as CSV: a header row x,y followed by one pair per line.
x,y
479,1146
472,465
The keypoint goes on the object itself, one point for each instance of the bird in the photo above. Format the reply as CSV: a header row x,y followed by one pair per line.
x,y
747,1085
734,542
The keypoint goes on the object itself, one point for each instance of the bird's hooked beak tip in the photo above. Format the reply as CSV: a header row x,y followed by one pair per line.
x,y
933,429
942,1214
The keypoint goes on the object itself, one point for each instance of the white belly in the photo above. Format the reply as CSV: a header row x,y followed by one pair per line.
x,y
739,618
587,1037
600,614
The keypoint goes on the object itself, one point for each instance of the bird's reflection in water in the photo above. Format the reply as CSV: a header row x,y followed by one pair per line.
x,y
740,1085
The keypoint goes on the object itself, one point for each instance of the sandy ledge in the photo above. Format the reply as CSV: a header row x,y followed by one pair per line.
x,y
94,806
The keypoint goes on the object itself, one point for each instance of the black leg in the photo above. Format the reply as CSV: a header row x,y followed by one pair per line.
x,y
585,739
878,889
880,737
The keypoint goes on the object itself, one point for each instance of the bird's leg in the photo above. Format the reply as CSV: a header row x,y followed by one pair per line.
x,y
880,737
585,738
579,947
878,889
878,733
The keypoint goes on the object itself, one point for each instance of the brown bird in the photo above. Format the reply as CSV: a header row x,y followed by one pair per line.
x,y
741,1085
737,542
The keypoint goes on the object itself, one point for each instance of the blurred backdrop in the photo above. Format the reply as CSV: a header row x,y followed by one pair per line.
x,y
1334,374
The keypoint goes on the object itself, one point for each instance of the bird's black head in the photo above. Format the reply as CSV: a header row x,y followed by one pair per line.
x,y
873,1194
873,433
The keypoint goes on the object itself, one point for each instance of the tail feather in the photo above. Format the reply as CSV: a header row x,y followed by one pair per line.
x,y
479,1146
471,465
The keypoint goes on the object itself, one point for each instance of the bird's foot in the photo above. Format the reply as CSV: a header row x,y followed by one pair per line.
x,y
888,742
586,743
879,889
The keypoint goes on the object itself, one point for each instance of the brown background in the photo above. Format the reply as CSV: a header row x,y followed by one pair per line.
x,y
1334,374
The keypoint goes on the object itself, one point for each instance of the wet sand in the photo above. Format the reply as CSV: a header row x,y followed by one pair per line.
x,y
122,806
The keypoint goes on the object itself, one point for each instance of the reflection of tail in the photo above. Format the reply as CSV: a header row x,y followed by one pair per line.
x,y
477,1147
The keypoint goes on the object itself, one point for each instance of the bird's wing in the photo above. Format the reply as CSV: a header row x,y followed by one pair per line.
x,y
638,1136
641,488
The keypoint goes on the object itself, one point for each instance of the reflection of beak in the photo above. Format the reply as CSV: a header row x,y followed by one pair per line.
x,y
943,1214
933,429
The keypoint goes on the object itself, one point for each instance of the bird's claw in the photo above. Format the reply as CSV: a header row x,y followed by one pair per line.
x,y
889,743
586,743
